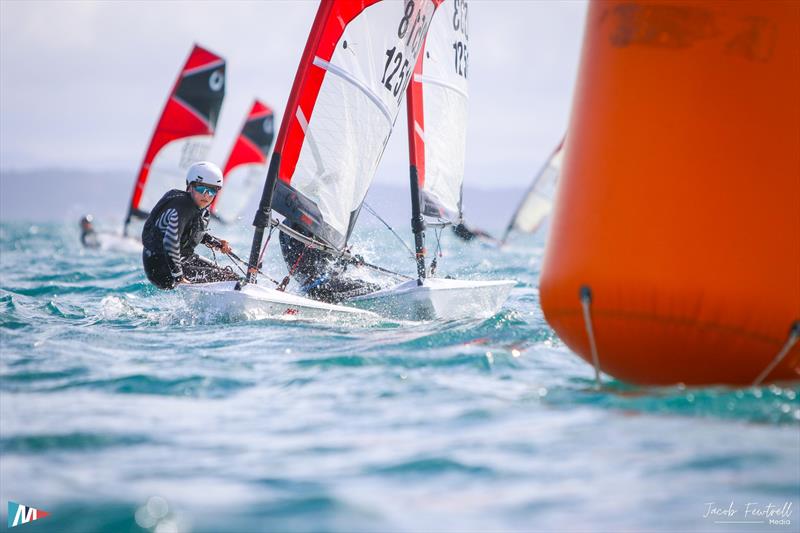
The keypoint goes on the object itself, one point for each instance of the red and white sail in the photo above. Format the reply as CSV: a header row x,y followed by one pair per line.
x,y
538,200
437,113
355,68
184,132
247,163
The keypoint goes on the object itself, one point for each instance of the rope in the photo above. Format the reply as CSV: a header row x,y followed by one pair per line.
x,y
434,263
297,261
285,282
313,243
380,269
794,335
376,215
264,248
237,259
238,267
586,302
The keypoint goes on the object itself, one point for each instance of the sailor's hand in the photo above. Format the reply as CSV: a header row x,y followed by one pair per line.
x,y
182,280
224,247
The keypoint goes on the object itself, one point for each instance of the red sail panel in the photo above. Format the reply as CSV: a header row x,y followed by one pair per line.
x,y
329,24
247,157
191,109
416,121
254,140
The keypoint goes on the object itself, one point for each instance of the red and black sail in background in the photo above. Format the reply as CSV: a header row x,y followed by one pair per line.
x,y
192,110
251,148
255,140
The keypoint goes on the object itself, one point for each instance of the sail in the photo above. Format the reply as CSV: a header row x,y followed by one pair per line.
x,y
437,113
183,133
346,95
247,163
538,200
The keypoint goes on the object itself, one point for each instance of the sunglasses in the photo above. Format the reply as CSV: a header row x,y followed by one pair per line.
x,y
203,189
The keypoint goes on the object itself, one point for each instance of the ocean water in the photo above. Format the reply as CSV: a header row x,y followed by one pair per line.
x,y
122,408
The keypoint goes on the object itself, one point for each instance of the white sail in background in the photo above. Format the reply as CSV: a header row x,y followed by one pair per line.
x,y
437,102
538,200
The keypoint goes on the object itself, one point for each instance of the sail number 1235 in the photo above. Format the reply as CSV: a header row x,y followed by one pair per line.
x,y
412,28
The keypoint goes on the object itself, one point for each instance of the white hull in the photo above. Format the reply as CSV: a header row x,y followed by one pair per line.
x,y
254,302
437,299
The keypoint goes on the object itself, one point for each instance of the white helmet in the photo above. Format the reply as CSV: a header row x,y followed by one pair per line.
x,y
205,173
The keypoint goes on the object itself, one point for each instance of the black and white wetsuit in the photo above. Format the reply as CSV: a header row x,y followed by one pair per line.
x,y
172,231
321,276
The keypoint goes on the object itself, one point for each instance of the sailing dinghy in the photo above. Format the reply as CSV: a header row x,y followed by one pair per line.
x,y
246,165
436,105
538,200
341,111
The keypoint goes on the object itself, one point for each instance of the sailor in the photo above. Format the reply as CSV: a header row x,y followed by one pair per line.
x,y
176,225
88,235
322,276
466,233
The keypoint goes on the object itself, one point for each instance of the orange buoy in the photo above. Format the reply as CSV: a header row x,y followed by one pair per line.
x,y
678,209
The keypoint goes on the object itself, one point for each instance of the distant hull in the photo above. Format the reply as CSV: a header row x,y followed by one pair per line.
x,y
440,299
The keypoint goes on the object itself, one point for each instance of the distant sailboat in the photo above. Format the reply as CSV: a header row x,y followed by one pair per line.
x,y
437,121
183,133
436,107
538,200
247,163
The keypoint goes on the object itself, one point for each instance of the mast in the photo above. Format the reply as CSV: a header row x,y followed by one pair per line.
x,y
417,226
183,133
416,155
263,217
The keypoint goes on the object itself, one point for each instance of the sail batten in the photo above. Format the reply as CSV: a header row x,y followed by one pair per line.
x,y
333,69
441,83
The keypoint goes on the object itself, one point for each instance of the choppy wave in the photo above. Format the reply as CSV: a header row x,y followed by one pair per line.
x,y
114,393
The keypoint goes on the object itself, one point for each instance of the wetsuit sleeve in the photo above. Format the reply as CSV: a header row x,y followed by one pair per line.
x,y
172,225
209,240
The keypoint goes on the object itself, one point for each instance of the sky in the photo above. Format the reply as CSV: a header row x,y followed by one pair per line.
x,y
82,84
